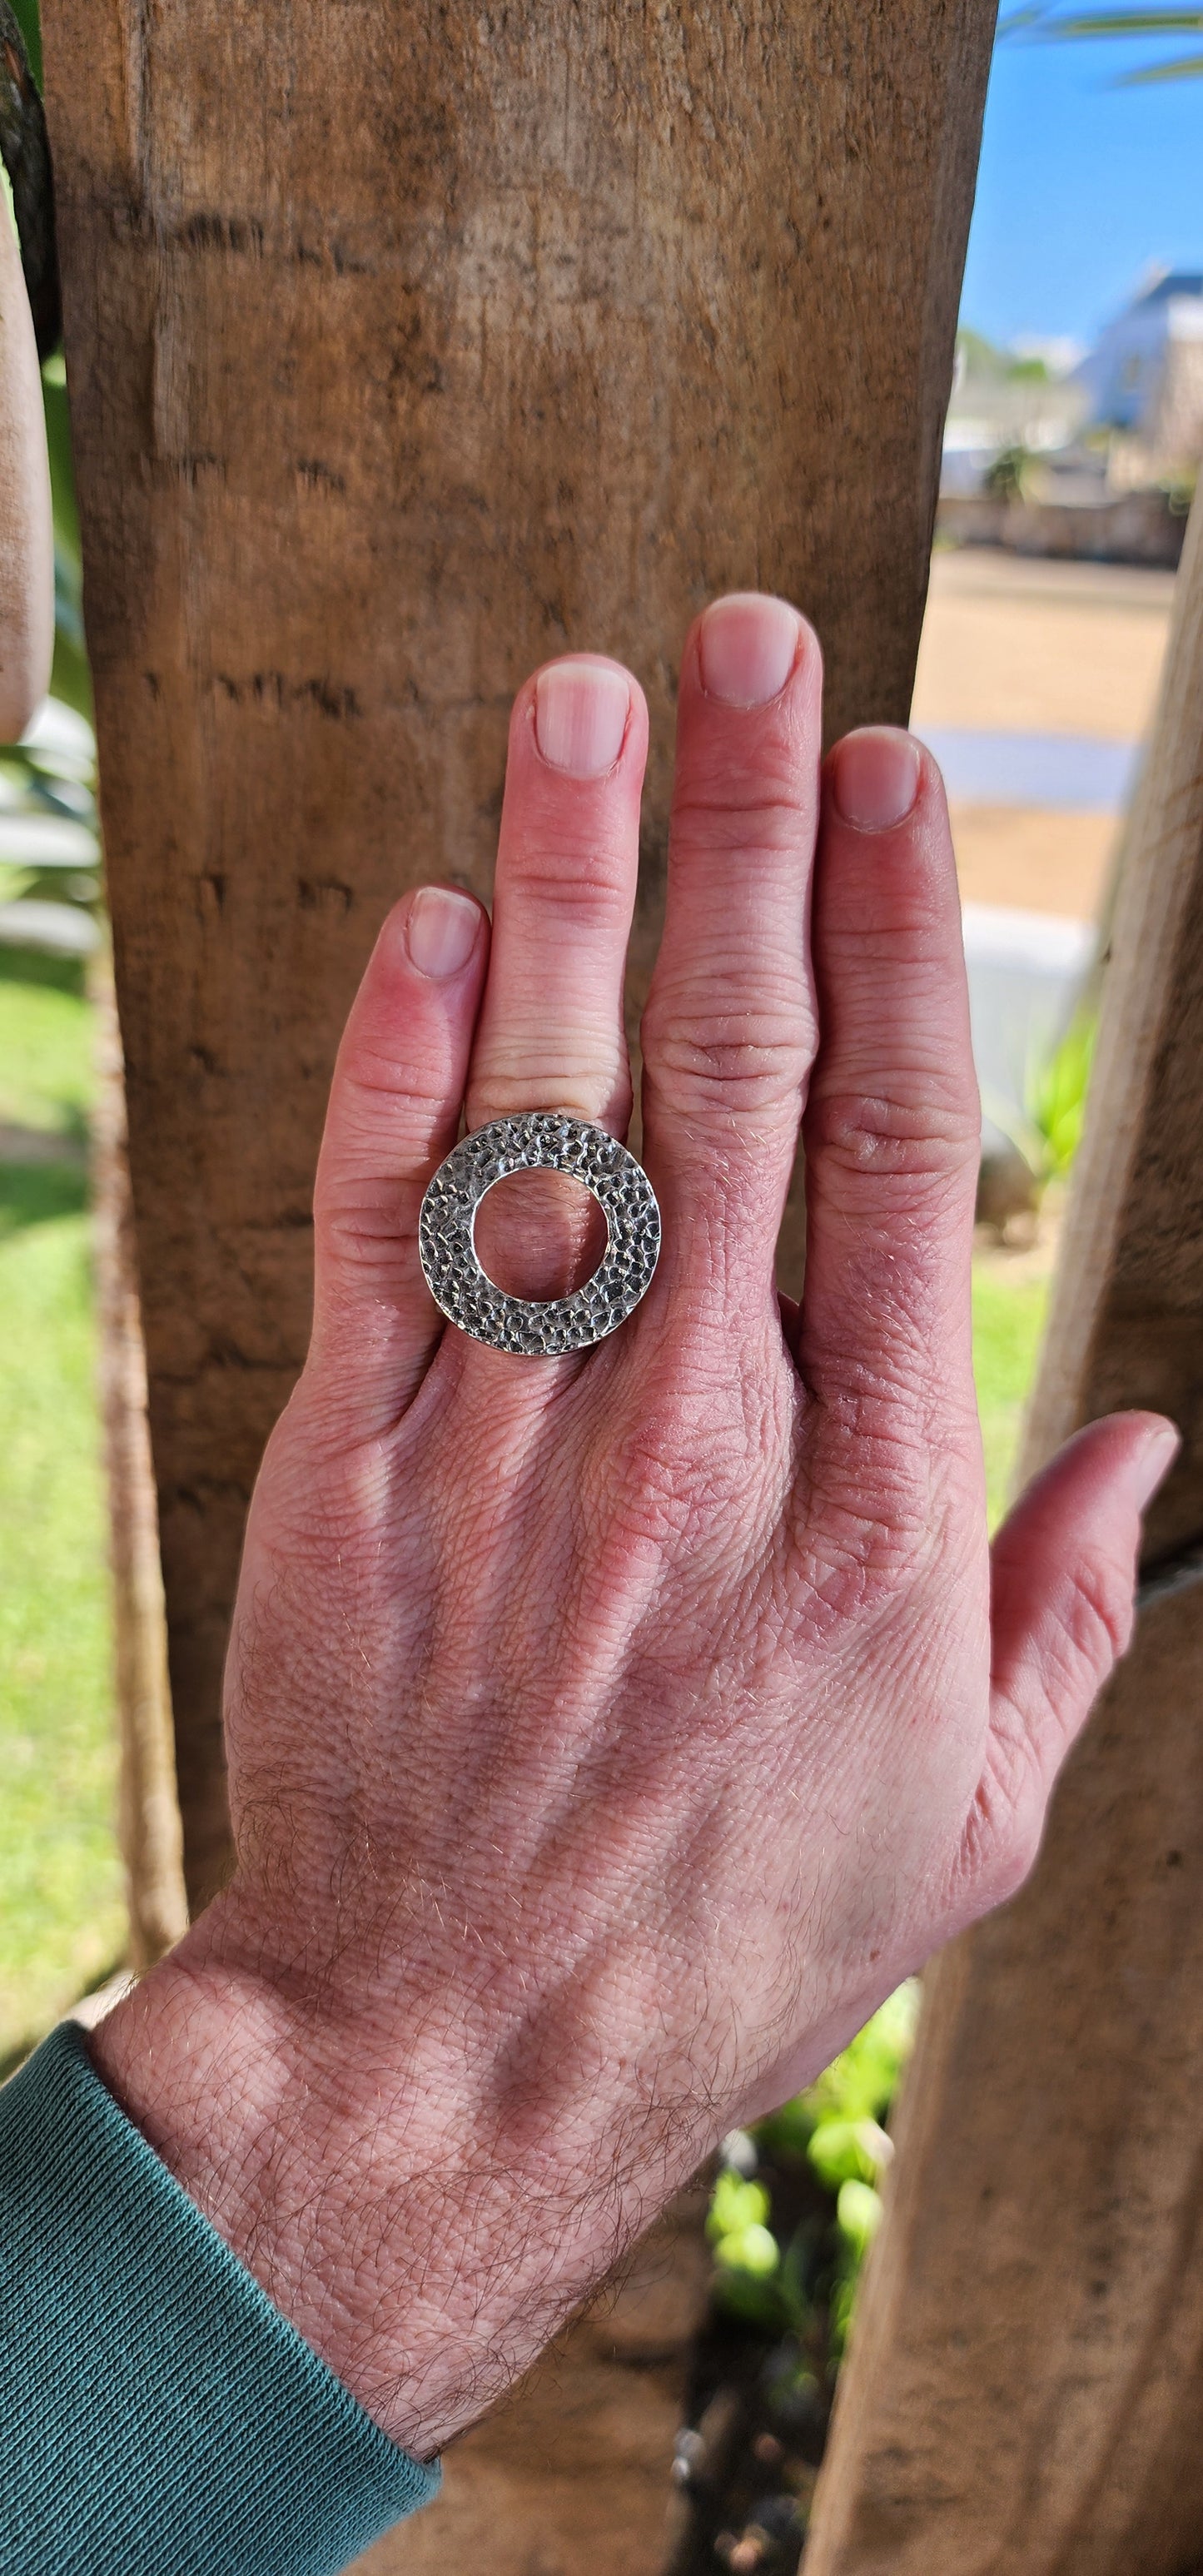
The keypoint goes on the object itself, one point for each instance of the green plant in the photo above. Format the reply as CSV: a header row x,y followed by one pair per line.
x,y
62,1921
1049,24
738,2228
1047,1132
1180,488
49,848
835,2131
1006,479
49,844
978,356
49,841
71,681
27,16
1058,1096
1008,1320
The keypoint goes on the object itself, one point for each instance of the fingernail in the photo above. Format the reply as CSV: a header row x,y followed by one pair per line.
x,y
581,711
747,647
876,777
1153,1461
441,930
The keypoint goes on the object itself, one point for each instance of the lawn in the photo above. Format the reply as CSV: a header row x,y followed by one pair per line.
x,y
1010,1293
61,1923
61,1912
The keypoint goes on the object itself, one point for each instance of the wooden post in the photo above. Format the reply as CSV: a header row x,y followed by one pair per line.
x,y
1025,2388
405,348
151,1840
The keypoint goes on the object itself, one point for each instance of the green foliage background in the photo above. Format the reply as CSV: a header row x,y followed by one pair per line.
x,y
1047,22
62,1915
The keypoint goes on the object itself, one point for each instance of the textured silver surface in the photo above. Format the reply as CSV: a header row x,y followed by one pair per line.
x,y
549,1140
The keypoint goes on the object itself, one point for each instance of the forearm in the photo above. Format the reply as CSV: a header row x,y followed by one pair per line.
x,y
422,2220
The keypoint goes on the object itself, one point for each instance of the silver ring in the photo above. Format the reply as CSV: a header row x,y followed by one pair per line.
x,y
542,1140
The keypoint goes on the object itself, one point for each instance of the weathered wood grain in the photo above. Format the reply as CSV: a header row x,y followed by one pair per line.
x,y
149,1815
1025,2390
407,347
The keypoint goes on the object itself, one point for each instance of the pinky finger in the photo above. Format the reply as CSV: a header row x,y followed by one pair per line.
x,y
394,1113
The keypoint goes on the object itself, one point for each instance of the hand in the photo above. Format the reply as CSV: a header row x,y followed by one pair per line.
x,y
609,1734
26,526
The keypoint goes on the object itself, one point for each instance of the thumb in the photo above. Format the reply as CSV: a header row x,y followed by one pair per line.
x,y
1062,1605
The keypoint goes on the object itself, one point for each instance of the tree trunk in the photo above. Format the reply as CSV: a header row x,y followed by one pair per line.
x,y
1025,2389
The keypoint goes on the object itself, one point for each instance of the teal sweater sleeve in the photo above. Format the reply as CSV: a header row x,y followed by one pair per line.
x,y
158,2416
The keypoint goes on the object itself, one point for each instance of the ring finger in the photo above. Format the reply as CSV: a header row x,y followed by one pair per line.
x,y
550,1034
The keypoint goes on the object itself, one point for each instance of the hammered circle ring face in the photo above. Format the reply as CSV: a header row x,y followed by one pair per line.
x,y
541,1140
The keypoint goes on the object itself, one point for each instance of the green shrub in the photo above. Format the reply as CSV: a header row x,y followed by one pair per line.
x,y
834,2129
1058,1099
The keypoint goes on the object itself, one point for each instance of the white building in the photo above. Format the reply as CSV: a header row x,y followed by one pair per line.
x,y
1145,372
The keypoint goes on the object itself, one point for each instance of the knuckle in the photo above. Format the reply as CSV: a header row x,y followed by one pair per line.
x,y
1015,1846
362,1223
749,1054
751,789
922,1130
866,1559
597,1090
1099,1612
374,1077
663,1502
750,825
573,875
877,1512
1005,1824
666,1488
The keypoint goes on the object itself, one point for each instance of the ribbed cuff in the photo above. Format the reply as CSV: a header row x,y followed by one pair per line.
x,y
158,2416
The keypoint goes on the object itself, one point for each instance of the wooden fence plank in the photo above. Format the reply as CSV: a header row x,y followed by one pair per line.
x,y
151,1840
407,347
1025,2389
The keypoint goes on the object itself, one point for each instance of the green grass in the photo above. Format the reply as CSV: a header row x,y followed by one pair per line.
x,y
62,1920
1008,1319
45,1069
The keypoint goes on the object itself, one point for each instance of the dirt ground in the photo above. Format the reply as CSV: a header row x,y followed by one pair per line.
x,y
1022,646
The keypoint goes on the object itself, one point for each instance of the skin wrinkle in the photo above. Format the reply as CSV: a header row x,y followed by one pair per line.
x,y
733,831
608,1735
889,1402
362,1231
573,881
748,1071
776,1016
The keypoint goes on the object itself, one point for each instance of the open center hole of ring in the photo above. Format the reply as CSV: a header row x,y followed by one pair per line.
x,y
539,1234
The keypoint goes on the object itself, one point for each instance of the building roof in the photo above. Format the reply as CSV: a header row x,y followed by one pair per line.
x,y
1171,283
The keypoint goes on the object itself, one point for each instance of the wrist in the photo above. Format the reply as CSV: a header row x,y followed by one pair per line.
x,y
424,2242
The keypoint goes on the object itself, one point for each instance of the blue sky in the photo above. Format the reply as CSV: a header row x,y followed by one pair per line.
x,y
1081,185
